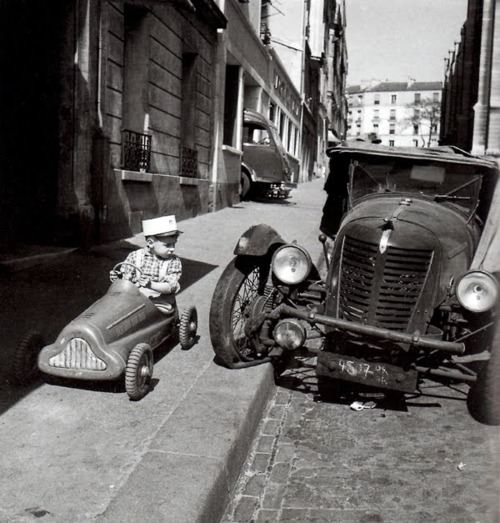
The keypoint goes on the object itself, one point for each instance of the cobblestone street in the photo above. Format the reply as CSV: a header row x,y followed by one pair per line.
x,y
422,459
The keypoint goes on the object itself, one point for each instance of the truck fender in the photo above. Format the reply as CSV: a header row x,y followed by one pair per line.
x,y
257,241
248,170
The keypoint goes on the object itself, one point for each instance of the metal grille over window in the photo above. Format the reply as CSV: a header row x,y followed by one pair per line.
x,y
136,151
189,162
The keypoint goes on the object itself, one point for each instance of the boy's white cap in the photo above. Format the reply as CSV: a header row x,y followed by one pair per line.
x,y
162,226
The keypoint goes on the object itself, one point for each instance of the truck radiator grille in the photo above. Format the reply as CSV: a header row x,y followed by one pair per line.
x,y
381,289
77,354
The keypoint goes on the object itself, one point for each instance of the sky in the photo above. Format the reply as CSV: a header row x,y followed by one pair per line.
x,y
399,39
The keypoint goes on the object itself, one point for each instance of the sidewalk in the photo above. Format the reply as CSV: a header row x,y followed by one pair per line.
x,y
175,455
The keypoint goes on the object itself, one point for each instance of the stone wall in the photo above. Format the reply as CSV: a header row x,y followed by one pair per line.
x,y
156,109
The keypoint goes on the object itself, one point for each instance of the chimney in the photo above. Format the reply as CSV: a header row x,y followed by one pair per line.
x,y
410,82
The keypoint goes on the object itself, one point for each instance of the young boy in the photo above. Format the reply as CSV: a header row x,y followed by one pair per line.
x,y
160,268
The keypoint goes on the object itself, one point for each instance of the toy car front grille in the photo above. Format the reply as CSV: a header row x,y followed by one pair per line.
x,y
381,289
77,354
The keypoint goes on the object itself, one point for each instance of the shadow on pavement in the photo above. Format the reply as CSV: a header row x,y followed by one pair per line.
x,y
298,373
46,297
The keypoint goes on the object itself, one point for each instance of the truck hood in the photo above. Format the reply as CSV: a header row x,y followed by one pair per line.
x,y
422,222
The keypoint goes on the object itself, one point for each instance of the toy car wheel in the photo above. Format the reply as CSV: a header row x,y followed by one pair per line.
x,y
238,290
25,363
139,371
187,327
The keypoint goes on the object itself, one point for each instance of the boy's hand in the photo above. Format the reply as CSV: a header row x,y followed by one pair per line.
x,y
143,281
113,275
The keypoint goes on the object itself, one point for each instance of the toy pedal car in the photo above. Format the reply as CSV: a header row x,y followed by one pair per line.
x,y
114,337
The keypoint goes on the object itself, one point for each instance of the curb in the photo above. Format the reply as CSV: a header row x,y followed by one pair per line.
x,y
197,455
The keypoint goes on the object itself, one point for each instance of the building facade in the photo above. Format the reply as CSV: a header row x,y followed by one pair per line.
x,y
401,114
119,100
115,111
471,103
309,38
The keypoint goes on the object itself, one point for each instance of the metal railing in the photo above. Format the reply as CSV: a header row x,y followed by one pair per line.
x,y
136,151
189,162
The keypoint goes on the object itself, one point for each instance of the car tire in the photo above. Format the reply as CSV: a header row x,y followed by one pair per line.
x,y
139,371
188,327
245,185
25,362
483,399
241,283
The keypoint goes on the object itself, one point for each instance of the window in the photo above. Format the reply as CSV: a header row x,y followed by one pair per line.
x,y
391,143
417,98
255,134
360,98
392,130
393,98
376,99
375,125
189,154
415,128
435,97
415,142
231,106
272,111
136,137
393,114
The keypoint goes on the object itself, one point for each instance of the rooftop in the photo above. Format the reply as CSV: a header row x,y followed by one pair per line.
x,y
380,87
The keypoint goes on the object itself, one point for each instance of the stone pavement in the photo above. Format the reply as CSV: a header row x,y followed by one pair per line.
x,y
82,452
316,460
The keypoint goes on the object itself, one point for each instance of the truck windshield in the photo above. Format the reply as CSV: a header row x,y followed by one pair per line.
x,y
446,182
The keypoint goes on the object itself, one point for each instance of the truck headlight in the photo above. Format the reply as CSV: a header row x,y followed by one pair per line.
x,y
289,334
477,291
291,264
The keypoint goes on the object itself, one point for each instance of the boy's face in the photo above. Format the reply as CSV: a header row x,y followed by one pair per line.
x,y
163,247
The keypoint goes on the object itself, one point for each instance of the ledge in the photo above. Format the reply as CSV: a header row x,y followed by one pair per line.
x,y
134,176
185,180
138,176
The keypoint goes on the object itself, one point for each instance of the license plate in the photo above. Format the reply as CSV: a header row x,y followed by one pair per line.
x,y
381,375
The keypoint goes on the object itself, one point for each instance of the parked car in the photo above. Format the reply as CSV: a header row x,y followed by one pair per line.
x,y
265,168
399,300
113,338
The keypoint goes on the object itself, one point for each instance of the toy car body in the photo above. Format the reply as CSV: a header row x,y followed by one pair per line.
x,y
115,336
265,168
399,298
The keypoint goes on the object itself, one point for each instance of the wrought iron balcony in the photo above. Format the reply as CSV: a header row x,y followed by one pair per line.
x,y
136,151
189,162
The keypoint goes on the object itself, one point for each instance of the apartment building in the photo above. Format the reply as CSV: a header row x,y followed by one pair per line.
x,y
115,111
471,112
401,114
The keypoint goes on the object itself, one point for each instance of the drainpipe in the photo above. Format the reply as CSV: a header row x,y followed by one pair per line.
x,y
481,108
493,137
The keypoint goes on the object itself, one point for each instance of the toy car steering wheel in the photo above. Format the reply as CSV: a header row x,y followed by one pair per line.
x,y
121,274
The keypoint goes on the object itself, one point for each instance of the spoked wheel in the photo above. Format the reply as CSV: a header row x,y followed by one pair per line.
x,y
238,291
188,327
25,362
139,371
